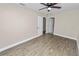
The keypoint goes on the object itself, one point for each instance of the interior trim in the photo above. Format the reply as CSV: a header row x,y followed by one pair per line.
x,y
65,36
15,44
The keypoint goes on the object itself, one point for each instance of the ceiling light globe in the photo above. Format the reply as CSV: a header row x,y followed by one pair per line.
x,y
49,8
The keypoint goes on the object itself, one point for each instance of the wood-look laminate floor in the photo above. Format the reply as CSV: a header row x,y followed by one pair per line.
x,y
45,45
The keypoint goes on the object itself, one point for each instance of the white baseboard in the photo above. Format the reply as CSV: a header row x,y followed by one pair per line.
x,y
78,51
65,36
15,44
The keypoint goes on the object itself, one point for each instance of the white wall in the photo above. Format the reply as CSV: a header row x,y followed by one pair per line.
x,y
16,24
67,24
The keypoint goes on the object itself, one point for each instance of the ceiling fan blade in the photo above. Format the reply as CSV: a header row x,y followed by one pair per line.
x,y
22,4
55,7
54,3
43,8
43,4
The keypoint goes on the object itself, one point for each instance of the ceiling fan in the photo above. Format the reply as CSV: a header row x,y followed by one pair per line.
x,y
49,6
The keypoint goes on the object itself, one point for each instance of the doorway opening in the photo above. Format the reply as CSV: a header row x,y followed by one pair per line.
x,y
50,23
44,25
53,24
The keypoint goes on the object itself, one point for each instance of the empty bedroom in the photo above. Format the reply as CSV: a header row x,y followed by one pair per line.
x,y
39,29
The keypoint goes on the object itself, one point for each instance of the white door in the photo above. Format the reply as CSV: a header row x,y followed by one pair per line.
x,y
51,26
40,25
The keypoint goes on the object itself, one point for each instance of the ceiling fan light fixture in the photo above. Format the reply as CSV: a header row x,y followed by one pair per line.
x,y
49,8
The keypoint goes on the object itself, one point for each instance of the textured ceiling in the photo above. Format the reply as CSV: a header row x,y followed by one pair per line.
x,y
65,7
